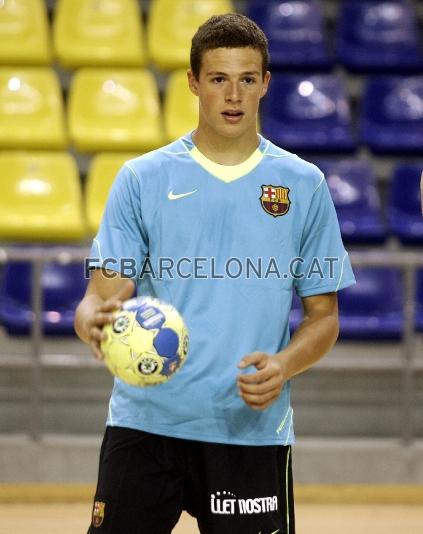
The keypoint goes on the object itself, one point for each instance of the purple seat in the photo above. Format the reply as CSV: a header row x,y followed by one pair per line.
x,y
404,209
295,30
372,309
296,313
353,187
379,36
308,113
419,301
63,287
392,115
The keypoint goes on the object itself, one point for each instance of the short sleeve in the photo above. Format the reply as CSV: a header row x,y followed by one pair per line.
x,y
323,265
121,243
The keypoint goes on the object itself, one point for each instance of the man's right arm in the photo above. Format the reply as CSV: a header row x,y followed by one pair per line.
x,y
105,294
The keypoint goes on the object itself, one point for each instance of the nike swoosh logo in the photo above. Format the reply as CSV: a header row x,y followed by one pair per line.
x,y
172,196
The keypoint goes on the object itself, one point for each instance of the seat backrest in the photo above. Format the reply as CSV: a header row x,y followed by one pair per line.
x,y
180,106
405,188
290,22
31,109
318,99
394,100
24,33
112,109
101,174
106,32
62,285
352,184
171,26
379,290
384,24
41,197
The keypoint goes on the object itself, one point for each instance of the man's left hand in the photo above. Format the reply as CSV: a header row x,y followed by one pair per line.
x,y
259,390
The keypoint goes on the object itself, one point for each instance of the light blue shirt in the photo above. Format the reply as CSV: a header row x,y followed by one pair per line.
x,y
236,241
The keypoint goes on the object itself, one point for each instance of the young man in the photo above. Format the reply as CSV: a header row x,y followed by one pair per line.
x,y
244,223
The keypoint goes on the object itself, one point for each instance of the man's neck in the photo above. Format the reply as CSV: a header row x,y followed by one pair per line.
x,y
224,150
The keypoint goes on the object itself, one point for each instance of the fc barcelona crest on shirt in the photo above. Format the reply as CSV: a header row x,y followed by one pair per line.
x,y
98,513
275,200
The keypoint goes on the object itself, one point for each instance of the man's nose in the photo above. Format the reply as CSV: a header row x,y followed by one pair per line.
x,y
233,93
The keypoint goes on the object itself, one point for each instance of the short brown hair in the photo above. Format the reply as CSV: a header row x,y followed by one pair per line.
x,y
231,30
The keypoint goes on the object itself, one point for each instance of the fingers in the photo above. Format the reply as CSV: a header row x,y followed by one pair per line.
x,y
258,359
95,349
254,378
262,388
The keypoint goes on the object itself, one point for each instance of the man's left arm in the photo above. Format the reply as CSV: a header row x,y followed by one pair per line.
x,y
315,336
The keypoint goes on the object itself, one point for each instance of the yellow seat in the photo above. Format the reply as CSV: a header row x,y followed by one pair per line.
x,y
180,106
98,32
31,109
102,172
41,197
24,35
114,110
172,24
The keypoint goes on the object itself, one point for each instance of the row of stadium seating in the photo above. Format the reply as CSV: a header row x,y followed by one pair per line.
x,y
365,313
42,199
370,35
120,110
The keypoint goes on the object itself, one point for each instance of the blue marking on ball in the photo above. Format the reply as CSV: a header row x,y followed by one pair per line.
x,y
150,317
166,342
170,365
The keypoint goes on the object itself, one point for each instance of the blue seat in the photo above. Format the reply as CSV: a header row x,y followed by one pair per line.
x,y
354,191
295,30
404,207
378,36
63,287
392,115
419,301
296,314
372,309
308,113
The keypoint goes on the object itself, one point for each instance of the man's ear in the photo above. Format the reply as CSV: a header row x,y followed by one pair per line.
x,y
192,82
266,81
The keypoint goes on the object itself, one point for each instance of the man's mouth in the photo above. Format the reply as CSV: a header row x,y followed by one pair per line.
x,y
232,113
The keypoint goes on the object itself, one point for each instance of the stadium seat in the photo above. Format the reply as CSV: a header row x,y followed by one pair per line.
x,y
171,26
392,115
296,314
309,113
295,30
419,301
31,109
114,110
24,34
372,309
404,207
63,286
106,33
40,198
354,191
180,106
379,36
102,171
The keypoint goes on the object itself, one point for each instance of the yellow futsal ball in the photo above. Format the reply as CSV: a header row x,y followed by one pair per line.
x,y
147,342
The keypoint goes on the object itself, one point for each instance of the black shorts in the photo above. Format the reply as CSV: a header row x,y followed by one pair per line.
x,y
146,480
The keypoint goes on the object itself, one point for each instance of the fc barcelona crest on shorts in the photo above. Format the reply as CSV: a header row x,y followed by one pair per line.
x,y
275,200
98,513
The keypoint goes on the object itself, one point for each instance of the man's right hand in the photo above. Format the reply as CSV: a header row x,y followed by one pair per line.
x,y
95,311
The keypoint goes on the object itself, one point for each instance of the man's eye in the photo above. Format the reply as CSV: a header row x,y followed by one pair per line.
x,y
218,79
249,80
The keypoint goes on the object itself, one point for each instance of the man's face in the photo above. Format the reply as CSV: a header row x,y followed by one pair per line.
x,y
229,87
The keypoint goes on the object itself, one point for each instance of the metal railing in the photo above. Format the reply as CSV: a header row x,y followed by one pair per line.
x,y
407,261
